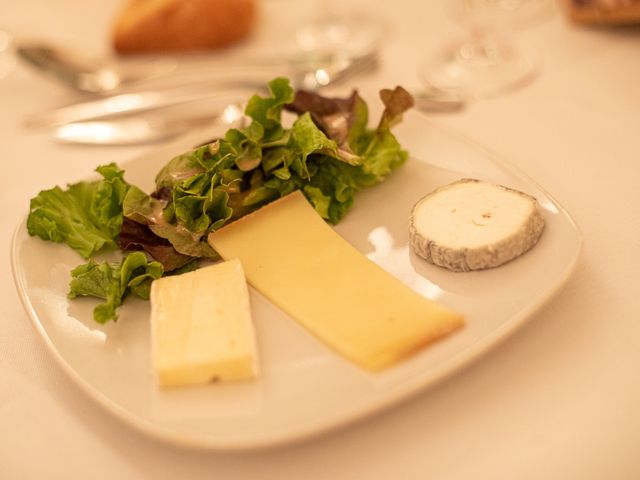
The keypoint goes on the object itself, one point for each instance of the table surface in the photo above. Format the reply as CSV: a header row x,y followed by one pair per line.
x,y
558,400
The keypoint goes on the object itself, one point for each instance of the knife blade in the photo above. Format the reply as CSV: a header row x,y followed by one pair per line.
x,y
139,102
138,130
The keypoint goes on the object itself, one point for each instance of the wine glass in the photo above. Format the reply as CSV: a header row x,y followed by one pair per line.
x,y
485,63
339,30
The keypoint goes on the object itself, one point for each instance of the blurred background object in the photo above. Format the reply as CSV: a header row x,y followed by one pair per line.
x,y
339,29
178,25
603,12
104,78
315,49
88,75
485,62
7,60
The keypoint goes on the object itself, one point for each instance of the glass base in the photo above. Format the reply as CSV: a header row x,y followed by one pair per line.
x,y
478,68
351,36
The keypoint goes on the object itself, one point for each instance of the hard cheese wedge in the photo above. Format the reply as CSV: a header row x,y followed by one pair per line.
x,y
201,326
296,260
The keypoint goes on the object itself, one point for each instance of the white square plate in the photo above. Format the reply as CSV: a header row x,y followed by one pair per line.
x,y
304,388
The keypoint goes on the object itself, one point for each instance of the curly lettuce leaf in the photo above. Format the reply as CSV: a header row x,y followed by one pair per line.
x,y
341,119
267,111
328,152
380,149
86,216
181,167
113,282
396,102
331,190
151,212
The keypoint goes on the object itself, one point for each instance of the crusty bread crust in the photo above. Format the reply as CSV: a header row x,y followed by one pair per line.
x,y
172,25
593,12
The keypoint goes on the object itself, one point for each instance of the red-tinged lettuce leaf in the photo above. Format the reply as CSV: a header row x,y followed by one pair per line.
x,y
328,152
381,150
152,212
332,188
136,236
396,102
341,119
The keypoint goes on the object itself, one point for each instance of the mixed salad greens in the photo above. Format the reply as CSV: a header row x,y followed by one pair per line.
x,y
329,153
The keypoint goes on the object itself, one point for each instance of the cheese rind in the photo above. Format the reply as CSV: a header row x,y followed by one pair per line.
x,y
303,266
474,225
201,327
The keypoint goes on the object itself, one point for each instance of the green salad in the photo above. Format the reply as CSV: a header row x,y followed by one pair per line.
x,y
329,153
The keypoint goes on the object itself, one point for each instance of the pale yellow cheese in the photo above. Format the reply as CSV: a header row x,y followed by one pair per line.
x,y
303,266
201,326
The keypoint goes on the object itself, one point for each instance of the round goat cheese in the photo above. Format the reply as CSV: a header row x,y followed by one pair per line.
x,y
473,225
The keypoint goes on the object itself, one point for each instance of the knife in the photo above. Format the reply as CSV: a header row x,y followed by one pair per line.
x,y
138,130
139,102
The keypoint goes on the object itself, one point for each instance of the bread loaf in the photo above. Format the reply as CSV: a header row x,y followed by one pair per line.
x,y
173,25
604,12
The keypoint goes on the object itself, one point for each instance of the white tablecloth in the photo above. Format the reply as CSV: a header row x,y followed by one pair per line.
x,y
558,400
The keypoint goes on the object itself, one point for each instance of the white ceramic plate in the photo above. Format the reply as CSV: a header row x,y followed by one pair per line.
x,y
304,388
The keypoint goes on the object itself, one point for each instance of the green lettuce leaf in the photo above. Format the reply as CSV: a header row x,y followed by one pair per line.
x,y
267,111
113,282
328,152
181,167
380,149
86,216
137,236
307,138
332,188
147,210
342,119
